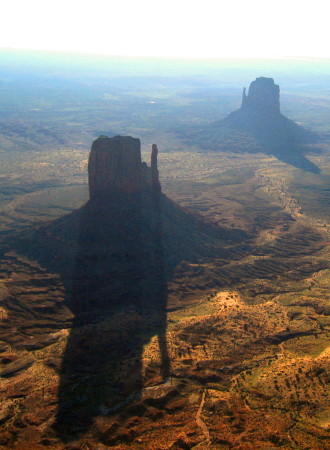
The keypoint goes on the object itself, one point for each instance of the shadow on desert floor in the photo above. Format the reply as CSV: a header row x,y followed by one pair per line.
x,y
118,297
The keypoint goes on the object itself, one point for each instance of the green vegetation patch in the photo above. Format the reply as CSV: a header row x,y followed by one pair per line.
x,y
307,345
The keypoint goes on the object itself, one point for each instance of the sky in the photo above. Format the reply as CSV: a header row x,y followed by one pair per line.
x,y
171,28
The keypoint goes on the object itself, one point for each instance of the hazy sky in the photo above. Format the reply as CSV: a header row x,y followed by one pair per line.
x,y
183,28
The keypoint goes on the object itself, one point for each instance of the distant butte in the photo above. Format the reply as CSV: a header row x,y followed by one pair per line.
x,y
263,96
260,115
259,126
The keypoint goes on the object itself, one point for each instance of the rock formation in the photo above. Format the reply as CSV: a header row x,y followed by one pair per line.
x,y
263,96
120,245
258,126
154,169
118,269
260,115
115,168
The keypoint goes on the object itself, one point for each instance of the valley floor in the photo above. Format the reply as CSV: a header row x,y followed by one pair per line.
x,y
247,335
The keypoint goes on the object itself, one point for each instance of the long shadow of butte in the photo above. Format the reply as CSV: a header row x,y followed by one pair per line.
x,y
117,290
115,257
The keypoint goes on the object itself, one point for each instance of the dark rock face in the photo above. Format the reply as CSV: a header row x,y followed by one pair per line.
x,y
114,166
119,237
154,169
263,96
115,170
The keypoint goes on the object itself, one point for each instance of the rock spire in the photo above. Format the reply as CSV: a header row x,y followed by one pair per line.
x,y
154,169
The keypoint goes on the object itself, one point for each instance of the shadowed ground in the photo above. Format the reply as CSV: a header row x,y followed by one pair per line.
x,y
118,276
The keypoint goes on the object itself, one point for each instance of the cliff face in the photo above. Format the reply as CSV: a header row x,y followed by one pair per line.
x,y
260,113
119,236
263,96
154,169
115,168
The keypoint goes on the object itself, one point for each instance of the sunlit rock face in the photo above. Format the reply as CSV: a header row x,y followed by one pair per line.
x,y
263,96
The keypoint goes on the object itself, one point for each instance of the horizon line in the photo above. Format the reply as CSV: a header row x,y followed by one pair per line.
x,y
166,57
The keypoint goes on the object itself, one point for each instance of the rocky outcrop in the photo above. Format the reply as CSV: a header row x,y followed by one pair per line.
x,y
259,127
260,118
260,113
115,168
154,169
263,96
